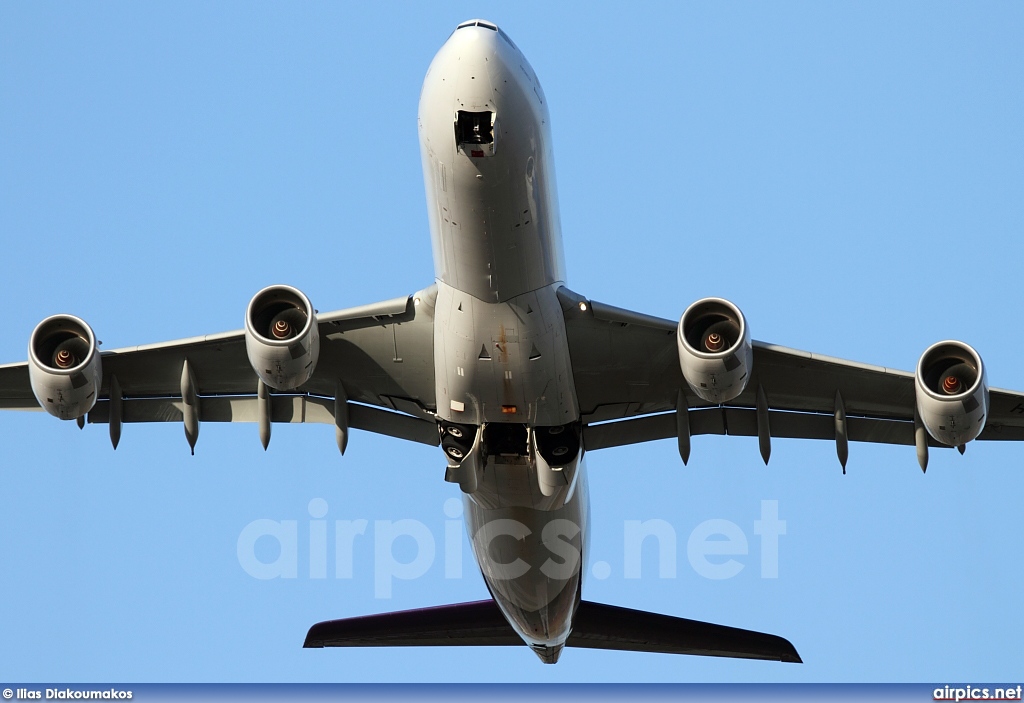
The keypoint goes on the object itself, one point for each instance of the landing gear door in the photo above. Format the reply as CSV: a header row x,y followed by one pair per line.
x,y
476,133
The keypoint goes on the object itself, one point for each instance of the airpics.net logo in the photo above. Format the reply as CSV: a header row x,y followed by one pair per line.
x,y
977,693
404,550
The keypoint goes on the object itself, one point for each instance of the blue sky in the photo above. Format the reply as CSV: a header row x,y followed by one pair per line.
x,y
850,174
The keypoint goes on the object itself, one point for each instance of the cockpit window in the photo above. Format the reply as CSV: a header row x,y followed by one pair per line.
x,y
501,33
474,128
477,23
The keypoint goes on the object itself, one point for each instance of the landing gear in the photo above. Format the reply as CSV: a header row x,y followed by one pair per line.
x,y
558,444
556,453
457,431
457,440
496,462
453,449
460,445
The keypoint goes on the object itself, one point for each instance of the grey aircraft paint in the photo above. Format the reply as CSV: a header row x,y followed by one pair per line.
x,y
500,349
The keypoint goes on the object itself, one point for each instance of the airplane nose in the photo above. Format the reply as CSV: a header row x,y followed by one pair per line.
x,y
478,35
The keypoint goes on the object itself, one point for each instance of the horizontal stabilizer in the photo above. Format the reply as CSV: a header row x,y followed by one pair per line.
x,y
600,626
475,624
596,626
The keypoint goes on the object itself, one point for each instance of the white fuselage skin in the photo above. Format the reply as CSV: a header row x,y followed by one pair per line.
x,y
501,353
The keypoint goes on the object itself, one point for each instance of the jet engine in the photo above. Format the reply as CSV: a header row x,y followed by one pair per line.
x,y
64,366
715,353
281,337
952,392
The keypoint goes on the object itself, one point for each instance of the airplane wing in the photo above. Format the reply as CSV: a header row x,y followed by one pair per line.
x,y
378,358
628,381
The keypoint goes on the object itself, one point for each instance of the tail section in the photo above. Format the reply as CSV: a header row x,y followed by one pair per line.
x,y
596,626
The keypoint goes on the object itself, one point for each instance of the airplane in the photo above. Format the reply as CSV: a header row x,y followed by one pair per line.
x,y
514,376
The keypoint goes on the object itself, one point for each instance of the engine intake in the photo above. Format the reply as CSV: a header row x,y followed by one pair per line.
x,y
282,338
715,352
952,392
64,367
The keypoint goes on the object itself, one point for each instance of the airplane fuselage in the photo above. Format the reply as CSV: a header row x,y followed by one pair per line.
x,y
501,355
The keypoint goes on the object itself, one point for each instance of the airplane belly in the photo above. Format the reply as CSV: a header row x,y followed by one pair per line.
x,y
533,563
502,362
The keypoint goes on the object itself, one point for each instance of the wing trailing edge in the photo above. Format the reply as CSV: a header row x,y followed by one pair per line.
x,y
596,626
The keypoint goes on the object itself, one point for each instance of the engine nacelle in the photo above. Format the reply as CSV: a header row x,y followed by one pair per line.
x,y
282,338
715,353
952,392
64,366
